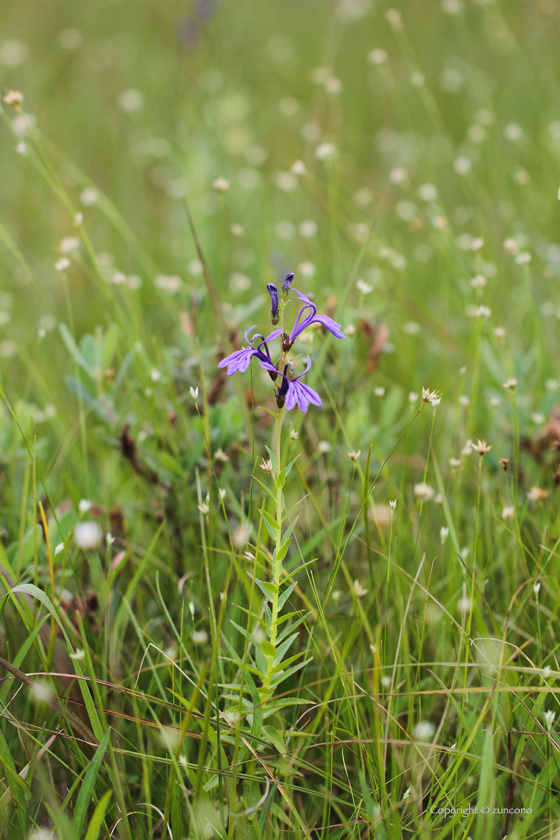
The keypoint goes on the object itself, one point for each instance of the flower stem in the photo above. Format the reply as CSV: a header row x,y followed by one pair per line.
x,y
276,563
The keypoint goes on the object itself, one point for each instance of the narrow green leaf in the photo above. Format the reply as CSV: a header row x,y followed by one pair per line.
x,y
88,785
96,821
268,649
271,520
271,734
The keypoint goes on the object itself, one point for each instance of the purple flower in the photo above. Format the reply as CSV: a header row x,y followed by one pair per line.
x,y
273,292
297,393
303,322
240,359
287,283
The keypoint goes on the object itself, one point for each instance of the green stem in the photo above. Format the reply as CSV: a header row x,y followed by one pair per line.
x,y
276,564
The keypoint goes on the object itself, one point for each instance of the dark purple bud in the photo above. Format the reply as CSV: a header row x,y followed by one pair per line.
x,y
273,292
287,283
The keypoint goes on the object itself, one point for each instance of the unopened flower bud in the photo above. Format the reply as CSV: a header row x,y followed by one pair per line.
x,y
273,292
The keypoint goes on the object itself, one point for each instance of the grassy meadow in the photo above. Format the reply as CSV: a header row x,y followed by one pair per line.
x,y
221,617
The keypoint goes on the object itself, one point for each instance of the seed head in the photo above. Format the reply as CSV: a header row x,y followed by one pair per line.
x,y
504,463
508,513
354,456
511,384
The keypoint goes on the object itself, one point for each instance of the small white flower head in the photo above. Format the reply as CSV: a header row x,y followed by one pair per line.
x,y
423,491
537,494
221,184
508,513
464,605
294,434
155,375
431,396
406,794
499,332
511,245
546,672
85,505
481,447
511,384
78,655
131,100
266,465
89,197
13,98
21,148
455,462
298,167
333,85
393,504
358,589
199,636
549,718
222,492
479,311
308,228
411,328
494,402
194,393
323,446
168,283
412,397
191,608
398,175
464,401
59,548
443,533
204,508
467,448
423,731
22,124
326,151
523,258
377,57
78,220
453,7
69,244
220,455
478,282
355,456
363,287
537,588
551,384
394,19
87,535
379,391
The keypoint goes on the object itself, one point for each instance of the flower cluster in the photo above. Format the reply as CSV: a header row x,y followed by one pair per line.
x,y
289,390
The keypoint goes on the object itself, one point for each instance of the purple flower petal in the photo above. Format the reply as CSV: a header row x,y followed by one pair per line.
x,y
301,395
238,361
331,325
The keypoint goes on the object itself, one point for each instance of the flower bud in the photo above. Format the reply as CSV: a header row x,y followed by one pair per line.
x,y
273,292
287,283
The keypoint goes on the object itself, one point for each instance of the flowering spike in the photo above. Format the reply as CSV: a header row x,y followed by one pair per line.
x,y
273,292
